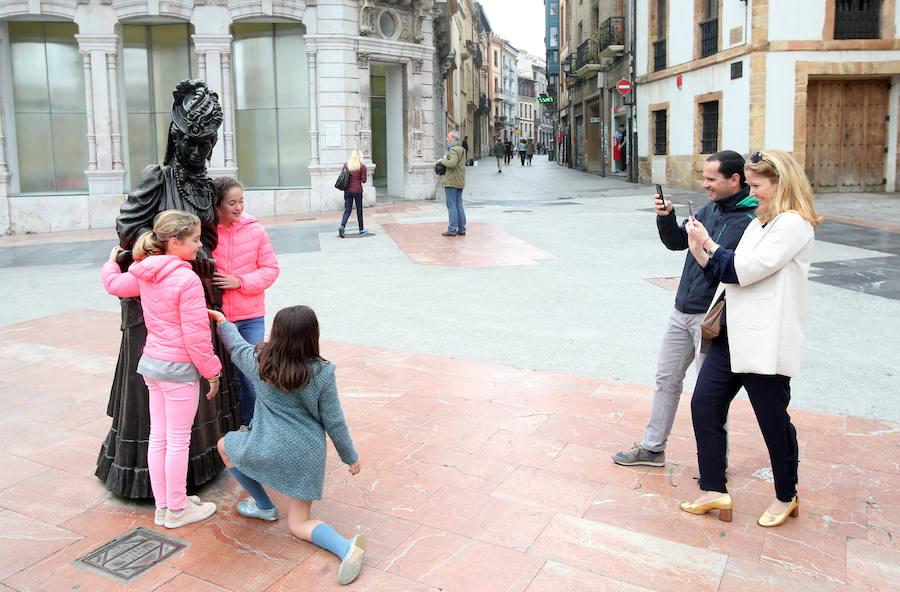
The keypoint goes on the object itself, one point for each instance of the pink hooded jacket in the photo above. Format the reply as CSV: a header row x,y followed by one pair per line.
x,y
174,309
245,251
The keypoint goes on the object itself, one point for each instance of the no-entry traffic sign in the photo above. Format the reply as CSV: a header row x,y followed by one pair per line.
x,y
623,86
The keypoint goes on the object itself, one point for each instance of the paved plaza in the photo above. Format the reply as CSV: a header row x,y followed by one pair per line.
x,y
486,380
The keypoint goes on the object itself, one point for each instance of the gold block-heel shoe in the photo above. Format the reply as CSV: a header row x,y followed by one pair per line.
x,y
768,519
723,504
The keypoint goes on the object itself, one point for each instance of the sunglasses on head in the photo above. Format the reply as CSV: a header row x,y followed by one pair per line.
x,y
758,156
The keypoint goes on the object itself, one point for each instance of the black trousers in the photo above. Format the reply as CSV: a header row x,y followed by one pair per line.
x,y
769,395
349,198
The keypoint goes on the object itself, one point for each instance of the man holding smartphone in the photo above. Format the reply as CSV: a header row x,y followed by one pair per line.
x,y
725,217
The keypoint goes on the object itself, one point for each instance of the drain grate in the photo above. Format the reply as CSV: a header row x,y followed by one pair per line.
x,y
128,557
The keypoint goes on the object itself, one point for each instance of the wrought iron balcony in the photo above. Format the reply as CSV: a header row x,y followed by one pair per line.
x,y
709,37
587,58
610,36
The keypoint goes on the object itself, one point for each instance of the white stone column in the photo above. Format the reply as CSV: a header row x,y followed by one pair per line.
x,y
4,177
89,110
365,102
311,56
214,67
115,128
106,165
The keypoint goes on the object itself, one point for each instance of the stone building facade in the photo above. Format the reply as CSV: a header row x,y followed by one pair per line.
x,y
85,91
819,79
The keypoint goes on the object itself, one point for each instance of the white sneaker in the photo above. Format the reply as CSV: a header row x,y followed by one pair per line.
x,y
159,518
194,512
352,563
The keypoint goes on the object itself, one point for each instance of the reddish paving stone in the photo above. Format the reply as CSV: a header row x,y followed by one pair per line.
x,y
557,577
483,246
475,476
807,552
633,557
26,541
319,573
871,566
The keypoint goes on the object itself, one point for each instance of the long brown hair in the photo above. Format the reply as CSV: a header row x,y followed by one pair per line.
x,y
166,225
285,359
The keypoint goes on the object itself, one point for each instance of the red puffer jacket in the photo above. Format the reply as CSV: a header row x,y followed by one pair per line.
x,y
174,309
245,251
357,179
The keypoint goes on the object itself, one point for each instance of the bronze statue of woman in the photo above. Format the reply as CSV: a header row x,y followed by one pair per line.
x,y
180,183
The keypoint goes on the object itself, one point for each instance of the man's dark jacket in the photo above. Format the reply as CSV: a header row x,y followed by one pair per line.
x,y
725,220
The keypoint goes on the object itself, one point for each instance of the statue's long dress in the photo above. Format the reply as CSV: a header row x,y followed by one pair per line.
x,y
122,462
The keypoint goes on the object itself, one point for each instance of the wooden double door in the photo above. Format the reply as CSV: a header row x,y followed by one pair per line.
x,y
846,134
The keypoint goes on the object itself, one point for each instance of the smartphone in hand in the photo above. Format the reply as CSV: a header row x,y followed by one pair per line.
x,y
659,194
691,210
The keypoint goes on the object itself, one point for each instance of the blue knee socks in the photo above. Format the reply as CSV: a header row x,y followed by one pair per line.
x,y
324,536
254,488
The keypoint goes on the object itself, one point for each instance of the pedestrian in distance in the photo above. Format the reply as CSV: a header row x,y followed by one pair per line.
x,y
246,266
509,151
726,216
620,148
454,182
763,283
354,192
285,449
499,153
522,152
177,352
529,151
465,145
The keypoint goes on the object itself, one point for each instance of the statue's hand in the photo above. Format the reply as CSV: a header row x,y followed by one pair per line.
x,y
124,259
204,265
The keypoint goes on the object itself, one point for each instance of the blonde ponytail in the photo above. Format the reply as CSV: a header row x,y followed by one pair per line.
x,y
166,225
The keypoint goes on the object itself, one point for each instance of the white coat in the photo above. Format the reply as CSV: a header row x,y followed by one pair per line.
x,y
766,310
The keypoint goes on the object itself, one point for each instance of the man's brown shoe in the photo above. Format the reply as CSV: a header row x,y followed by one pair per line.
x,y
447,233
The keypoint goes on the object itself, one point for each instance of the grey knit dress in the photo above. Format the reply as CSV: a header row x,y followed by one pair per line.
x,y
285,447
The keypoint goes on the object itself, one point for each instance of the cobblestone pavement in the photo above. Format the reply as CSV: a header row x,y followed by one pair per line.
x,y
486,380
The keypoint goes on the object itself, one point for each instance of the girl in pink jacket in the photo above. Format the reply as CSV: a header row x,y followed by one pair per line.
x,y
246,267
178,351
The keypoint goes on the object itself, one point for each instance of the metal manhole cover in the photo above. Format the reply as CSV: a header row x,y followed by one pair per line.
x,y
128,557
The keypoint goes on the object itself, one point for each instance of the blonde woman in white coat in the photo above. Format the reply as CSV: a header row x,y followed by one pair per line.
x,y
763,282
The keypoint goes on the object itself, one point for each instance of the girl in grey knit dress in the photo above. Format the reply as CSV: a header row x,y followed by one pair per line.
x,y
296,405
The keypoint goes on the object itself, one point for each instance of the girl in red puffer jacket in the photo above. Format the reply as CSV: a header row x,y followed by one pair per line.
x,y
246,266
178,351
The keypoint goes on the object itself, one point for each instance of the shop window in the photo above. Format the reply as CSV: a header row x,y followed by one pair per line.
x,y
155,58
49,111
271,105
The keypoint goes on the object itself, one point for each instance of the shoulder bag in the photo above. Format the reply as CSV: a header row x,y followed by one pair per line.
x,y
712,322
343,180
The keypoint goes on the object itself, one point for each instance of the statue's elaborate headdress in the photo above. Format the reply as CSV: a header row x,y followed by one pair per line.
x,y
196,111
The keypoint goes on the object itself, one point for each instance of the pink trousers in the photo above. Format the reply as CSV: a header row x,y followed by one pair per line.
x,y
173,406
